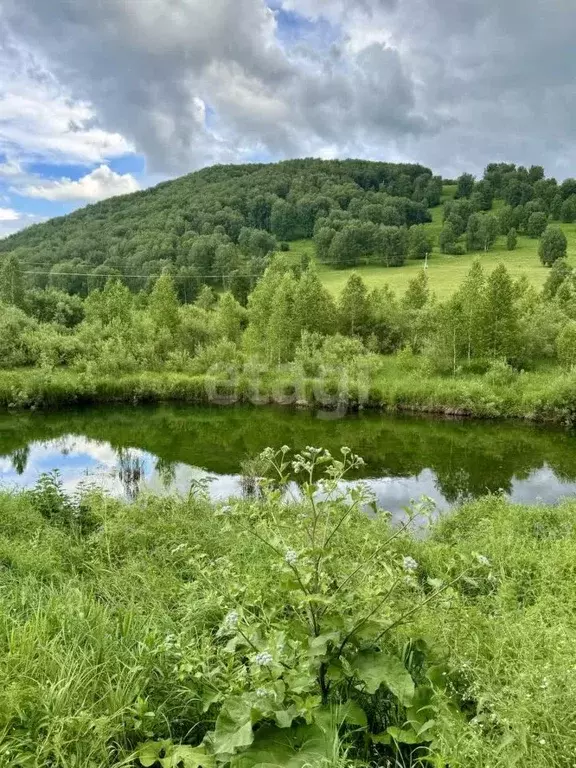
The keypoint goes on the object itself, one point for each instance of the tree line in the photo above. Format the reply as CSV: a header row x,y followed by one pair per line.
x,y
291,320
530,205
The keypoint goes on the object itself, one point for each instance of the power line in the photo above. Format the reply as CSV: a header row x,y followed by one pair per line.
x,y
121,275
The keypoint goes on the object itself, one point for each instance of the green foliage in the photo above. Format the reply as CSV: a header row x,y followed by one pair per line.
x,y
354,307
465,185
566,345
314,307
135,641
500,317
163,304
511,239
448,238
230,318
568,210
391,243
536,224
418,292
552,246
214,222
558,273
11,282
419,242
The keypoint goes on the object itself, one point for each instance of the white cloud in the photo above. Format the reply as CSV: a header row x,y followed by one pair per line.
x,y
9,214
11,168
41,120
100,184
190,82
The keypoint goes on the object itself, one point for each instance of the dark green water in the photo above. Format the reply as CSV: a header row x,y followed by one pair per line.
x,y
127,449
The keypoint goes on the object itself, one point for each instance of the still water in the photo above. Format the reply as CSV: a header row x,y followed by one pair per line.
x,y
165,448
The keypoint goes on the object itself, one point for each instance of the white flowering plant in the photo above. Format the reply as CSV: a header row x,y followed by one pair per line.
x,y
313,649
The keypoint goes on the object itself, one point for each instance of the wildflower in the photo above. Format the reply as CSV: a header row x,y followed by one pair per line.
x,y
542,741
483,560
409,564
263,658
261,693
291,557
231,620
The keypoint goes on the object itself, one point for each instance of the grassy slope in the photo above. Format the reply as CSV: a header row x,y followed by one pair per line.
x,y
446,272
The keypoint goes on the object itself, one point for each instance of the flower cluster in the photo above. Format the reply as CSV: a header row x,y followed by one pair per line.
x,y
409,564
291,557
263,658
231,620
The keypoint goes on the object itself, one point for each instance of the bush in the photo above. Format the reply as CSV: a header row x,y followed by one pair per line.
x,y
566,345
553,245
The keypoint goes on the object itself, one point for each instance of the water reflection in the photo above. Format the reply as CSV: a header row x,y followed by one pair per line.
x,y
126,471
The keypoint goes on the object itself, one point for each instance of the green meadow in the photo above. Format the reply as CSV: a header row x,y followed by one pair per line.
x,y
445,273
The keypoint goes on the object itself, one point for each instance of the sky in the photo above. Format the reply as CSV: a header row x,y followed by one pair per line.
x,y
104,97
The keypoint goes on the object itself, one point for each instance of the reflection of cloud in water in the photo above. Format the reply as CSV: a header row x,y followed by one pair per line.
x,y
541,485
81,460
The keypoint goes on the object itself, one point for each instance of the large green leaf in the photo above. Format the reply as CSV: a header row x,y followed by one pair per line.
x,y
149,753
169,755
300,747
335,715
233,726
376,669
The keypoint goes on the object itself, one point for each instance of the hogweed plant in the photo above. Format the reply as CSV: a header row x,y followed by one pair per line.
x,y
316,661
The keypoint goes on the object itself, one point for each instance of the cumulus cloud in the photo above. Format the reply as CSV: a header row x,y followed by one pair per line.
x,y
41,120
450,84
11,221
147,67
9,214
100,184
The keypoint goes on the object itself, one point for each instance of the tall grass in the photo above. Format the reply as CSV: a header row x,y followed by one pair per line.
x,y
102,628
399,385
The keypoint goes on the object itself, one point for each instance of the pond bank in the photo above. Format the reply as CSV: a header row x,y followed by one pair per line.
x,y
538,397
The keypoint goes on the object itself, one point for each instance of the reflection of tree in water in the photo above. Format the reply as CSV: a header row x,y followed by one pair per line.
x,y
130,472
251,473
166,471
19,459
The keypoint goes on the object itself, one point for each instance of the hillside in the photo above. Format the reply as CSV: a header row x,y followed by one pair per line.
x,y
215,226
220,225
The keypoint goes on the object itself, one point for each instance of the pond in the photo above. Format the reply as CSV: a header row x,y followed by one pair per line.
x,y
166,448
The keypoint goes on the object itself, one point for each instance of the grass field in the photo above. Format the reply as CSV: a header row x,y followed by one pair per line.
x,y
445,273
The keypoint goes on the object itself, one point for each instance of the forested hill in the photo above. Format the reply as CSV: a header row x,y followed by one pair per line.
x,y
219,225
